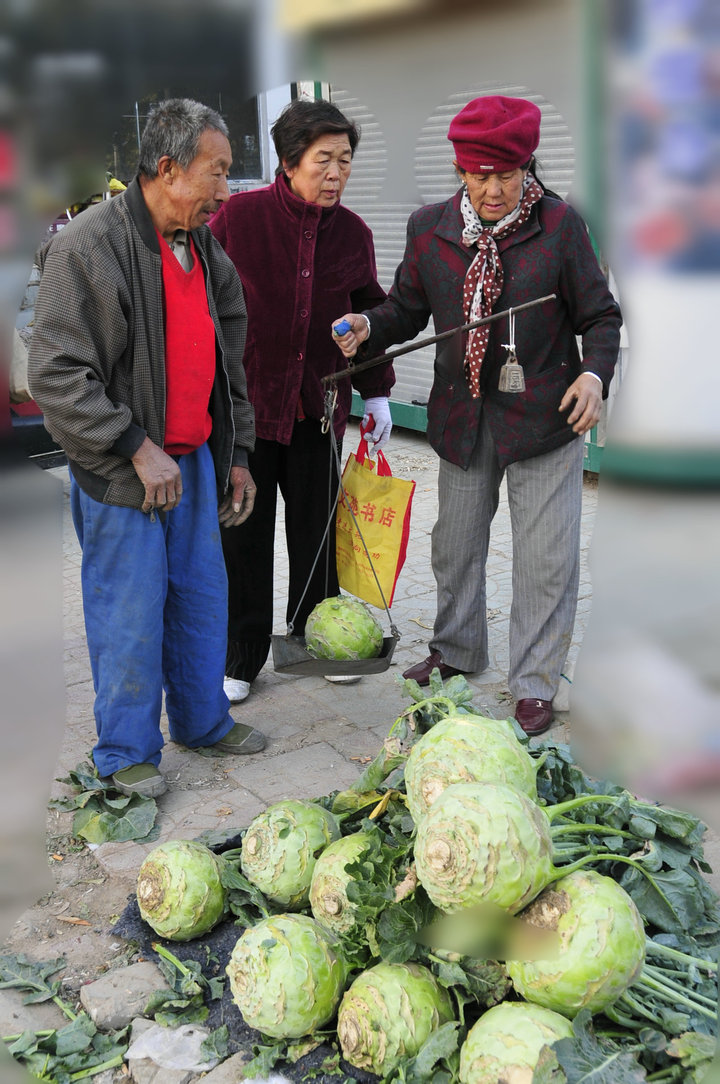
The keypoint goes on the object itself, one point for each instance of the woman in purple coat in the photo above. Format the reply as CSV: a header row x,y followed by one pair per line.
x,y
500,241
302,257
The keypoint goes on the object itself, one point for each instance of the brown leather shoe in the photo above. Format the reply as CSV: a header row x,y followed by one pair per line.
x,y
534,716
421,671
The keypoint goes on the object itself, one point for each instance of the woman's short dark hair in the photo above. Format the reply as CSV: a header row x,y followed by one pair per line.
x,y
304,121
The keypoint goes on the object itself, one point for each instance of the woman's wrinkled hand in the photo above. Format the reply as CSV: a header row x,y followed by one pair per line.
x,y
351,340
586,395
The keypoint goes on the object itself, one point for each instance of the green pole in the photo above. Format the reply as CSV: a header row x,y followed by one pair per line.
x,y
594,41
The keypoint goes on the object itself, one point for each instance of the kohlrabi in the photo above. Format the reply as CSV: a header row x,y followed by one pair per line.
x,y
388,1012
483,843
179,890
343,628
466,749
328,896
286,976
281,846
601,945
505,1043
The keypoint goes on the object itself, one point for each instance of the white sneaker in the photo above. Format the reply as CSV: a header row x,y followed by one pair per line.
x,y
236,689
342,679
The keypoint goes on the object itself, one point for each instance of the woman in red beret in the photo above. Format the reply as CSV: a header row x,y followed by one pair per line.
x,y
499,242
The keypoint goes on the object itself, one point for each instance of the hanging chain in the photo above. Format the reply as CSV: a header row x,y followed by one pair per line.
x,y
330,403
510,347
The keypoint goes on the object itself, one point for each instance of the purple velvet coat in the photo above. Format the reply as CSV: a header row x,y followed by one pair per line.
x,y
550,253
302,267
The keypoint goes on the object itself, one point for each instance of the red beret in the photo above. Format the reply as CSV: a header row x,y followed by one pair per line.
x,y
495,133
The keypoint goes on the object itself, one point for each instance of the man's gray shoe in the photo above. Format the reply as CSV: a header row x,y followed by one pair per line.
x,y
143,779
241,739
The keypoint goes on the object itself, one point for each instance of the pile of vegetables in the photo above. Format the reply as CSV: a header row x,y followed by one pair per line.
x,y
474,910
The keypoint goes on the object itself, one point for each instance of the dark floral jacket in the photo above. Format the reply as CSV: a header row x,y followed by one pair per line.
x,y
550,253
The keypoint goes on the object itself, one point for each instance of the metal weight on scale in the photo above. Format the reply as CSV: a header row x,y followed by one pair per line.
x,y
512,377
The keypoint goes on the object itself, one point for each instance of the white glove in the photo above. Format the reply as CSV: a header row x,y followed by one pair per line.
x,y
380,410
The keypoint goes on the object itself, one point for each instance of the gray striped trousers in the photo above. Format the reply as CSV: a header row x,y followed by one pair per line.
x,y
545,502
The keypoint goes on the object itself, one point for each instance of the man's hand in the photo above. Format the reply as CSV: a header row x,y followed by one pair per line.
x,y
238,504
350,341
586,393
160,475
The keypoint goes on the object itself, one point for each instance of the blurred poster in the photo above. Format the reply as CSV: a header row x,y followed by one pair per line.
x,y
646,697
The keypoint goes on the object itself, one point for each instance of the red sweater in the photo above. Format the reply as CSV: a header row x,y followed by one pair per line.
x,y
189,353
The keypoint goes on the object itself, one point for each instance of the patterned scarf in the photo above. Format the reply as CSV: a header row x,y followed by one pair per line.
x,y
484,278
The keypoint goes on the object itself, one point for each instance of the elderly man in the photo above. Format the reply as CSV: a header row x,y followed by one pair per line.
x,y
136,362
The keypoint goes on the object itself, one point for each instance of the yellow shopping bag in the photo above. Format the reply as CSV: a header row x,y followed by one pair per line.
x,y
380,506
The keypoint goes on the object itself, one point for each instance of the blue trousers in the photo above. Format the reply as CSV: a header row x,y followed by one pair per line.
x,y
155,603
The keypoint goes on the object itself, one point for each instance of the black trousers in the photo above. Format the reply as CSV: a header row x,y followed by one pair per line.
x,y
306,475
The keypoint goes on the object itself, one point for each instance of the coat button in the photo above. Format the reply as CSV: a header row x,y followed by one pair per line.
x,y
308,234
305,273
303,313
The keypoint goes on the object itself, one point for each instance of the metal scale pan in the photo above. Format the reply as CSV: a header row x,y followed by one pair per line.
x,y
290,656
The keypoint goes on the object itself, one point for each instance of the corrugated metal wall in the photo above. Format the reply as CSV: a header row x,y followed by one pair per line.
x,y
436,181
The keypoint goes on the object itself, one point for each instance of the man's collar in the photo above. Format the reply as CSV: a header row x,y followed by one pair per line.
x,y
181,238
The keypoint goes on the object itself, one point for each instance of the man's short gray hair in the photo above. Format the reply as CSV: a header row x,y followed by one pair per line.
x,y
174,128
